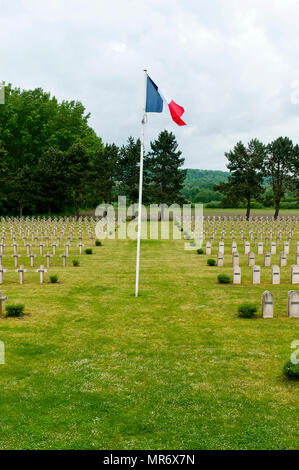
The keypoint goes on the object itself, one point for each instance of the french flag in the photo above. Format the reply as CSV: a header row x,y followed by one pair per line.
x,y
155,100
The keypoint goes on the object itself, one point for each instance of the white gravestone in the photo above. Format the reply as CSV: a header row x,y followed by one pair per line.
x,y
2,271
220,259
41,272
251,259
235,259
260,248
294,274
2,299
237,275
293,304
256,275
267,305
267,259
221,247
283,259
275,274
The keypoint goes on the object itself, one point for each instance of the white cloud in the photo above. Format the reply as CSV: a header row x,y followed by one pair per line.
x,y
231,64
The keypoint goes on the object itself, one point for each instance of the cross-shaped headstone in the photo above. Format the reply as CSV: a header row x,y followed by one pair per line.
x,y
64,257
48,256
41,272
2,299
21,270
2,271
16,259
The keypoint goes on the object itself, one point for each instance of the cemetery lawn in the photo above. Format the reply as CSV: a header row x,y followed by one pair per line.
x,y
91,367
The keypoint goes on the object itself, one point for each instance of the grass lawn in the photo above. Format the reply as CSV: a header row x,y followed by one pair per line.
x,y
92,367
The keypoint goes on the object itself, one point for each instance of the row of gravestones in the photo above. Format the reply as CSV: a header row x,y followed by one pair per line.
x,y
260,248
268,304
261,228
49,234
32,256
256,274
283,259
278,230
48,255
46,229
21,270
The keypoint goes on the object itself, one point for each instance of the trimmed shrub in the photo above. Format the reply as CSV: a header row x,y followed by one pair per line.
x,y
54,278
290,370
224,279
88,251
200,251
214,205
16,310
211,262
98,243
247,310
76,262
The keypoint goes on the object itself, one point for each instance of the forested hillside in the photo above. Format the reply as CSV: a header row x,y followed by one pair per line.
x,y
199,184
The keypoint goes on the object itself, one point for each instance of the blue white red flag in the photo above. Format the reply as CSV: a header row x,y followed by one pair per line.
x,y
155,102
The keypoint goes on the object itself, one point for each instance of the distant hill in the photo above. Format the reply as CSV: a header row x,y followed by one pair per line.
x,y
198,186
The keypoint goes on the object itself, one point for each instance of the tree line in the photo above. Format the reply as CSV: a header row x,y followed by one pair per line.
x,y
250,165
52,161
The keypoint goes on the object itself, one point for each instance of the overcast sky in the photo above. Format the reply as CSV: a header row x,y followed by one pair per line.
x,y
230,63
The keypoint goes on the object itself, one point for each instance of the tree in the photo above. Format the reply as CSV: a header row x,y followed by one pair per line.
x,y
104,171
164,177
246,174
52,179
78,173
31,122
281,164
21,185
129,170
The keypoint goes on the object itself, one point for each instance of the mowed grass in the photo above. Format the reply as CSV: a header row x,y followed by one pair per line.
x,y
92,367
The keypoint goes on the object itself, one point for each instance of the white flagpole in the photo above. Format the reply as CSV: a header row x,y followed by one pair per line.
x,y
143,122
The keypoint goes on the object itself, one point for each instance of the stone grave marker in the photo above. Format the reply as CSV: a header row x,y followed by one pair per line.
x,y
275,274
286,248
260,248
235,259
41,272
237,275
267,305
294,274
2,271
21,271
256,274
251,258
3,298
267,259
293,304
283,259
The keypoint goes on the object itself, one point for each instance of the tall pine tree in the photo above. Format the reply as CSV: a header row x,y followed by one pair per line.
x,y
129,170
246,174
104,172
164,177
281,161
